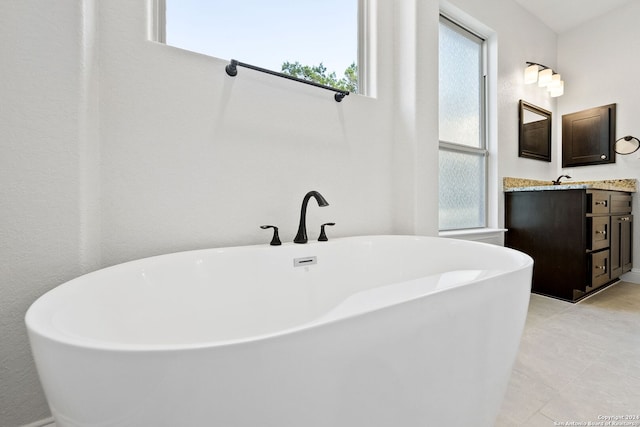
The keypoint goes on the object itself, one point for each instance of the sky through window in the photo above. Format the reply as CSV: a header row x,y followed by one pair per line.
x,y
267,33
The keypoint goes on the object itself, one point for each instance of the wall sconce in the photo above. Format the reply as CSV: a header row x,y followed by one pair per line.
x,y
545,77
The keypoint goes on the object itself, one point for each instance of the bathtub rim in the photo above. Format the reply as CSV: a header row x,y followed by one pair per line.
x,y
38,330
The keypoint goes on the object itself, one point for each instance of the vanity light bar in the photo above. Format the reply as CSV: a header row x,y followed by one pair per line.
x,y
545,76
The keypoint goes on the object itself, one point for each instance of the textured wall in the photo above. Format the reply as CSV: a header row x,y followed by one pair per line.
x,y
45,139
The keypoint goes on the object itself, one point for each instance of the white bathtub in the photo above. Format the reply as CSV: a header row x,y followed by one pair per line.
x,y
380,331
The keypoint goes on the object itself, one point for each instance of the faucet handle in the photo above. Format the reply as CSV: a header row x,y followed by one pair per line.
x,y
275,241
323,235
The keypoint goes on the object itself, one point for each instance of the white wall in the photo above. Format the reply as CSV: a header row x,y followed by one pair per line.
x,y
115,147
194,158
47,170
599,61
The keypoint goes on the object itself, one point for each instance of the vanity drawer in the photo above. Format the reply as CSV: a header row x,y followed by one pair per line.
x,y
599,268
599,202
620,203
599,232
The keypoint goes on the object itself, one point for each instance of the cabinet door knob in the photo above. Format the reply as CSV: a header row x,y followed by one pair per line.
x,y
603,157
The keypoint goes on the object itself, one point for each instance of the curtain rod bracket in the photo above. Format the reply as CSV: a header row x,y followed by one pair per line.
x,y
339,96
232,68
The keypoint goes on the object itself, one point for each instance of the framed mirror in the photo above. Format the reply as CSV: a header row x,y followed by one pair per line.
x,y
534,141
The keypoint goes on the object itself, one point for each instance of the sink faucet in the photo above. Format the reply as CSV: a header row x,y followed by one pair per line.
x,y
301,237
557,181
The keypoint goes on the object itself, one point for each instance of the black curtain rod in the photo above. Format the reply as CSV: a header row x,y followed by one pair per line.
x,y
232,70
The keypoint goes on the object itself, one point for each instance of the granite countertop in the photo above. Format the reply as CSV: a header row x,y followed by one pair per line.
x,y
521,184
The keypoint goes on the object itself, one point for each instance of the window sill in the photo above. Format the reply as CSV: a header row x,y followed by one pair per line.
x,y
494,236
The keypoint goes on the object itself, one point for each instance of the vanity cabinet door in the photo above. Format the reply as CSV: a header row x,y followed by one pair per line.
x,y
626,247
621,232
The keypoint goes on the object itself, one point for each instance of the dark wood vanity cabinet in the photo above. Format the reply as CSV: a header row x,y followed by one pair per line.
x,y
580,239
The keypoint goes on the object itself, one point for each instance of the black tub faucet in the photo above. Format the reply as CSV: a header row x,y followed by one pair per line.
x,y
301,237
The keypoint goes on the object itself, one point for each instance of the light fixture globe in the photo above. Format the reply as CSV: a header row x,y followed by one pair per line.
x,y
531,74
555,82
544,77
559,91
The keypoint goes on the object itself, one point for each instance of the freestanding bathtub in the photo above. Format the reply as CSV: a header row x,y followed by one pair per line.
x,y
355,332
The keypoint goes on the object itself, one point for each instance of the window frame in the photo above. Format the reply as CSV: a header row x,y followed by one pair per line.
x,y
483,148
365,49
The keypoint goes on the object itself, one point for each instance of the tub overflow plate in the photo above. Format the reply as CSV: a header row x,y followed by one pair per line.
x,y
309,260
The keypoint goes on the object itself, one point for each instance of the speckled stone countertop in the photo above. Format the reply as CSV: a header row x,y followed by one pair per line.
x,y
522,184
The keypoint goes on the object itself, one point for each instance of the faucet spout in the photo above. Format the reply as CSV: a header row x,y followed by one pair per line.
x,y
557,181
301,237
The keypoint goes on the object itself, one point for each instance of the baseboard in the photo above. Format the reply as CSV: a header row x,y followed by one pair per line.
x,y
47,422
632,276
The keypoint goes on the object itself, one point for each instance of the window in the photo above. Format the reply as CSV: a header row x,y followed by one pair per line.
x,y
313,40
463,150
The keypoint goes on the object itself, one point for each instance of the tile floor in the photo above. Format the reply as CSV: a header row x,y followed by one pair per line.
x,y
578,362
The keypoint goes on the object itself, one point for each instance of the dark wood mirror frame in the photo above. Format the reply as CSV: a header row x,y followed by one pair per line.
x,y
534,141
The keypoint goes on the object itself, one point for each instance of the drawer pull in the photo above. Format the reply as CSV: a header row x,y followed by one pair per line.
x,y
601,267
601,202
624,218
603,232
